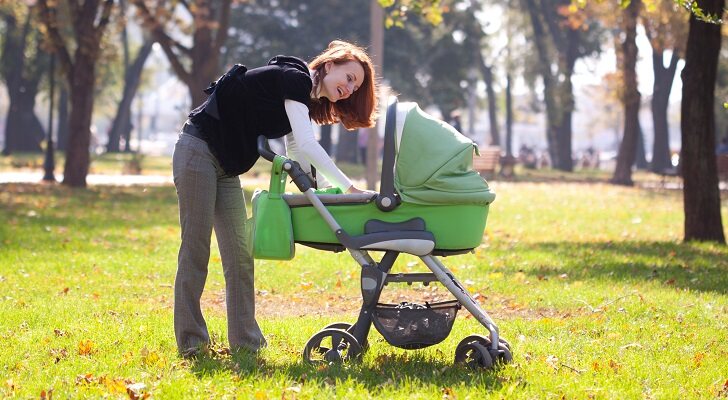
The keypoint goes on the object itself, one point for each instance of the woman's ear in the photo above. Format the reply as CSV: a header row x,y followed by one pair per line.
x,y
327,66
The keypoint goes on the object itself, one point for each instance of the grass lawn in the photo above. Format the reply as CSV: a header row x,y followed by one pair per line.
x,y
589,282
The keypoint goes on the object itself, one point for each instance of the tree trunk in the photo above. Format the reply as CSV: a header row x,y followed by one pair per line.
x,y
487,73
82,101
640,161
325,141
630,100
121,126
660,101
347,147
23,131
697,156
62,135
564,162
539,38
558,89
509,117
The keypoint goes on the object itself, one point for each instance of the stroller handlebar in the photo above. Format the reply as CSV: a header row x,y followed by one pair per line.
x,y
293,168
264,149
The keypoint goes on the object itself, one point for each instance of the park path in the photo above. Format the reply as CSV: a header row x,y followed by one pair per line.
x,y
91,179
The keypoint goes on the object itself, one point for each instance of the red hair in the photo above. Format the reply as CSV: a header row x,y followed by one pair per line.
x,y
359,109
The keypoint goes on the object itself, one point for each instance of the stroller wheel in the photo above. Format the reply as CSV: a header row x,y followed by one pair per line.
x,y
474,355
502,355
331,346
485,341
349,328
339,325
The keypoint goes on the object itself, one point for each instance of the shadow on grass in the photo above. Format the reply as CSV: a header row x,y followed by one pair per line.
x,y
394,370
693,266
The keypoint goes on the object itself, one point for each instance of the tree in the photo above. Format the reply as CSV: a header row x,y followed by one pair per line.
x,y
697,155
561,34
199,64
22,65
630,97
666,29
89,19
121,127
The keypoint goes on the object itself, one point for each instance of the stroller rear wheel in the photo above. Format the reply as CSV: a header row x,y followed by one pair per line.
x,y
331,345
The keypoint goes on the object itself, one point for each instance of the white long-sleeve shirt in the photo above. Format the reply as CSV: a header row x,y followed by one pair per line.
x,y
302,146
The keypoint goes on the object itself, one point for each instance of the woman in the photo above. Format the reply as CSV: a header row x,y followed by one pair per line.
x,y
218,143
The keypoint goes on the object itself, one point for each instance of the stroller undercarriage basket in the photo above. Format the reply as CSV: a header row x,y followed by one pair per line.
x,y
415,326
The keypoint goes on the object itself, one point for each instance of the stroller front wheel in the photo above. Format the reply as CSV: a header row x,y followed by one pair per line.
x,y
331,345
349,328
474,355
470,351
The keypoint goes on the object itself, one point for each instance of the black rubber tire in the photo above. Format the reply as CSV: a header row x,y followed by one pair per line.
x,y
349,328
485,340
474,355
338,325
343,347
502,355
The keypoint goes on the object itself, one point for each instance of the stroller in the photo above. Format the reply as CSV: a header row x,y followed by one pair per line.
x,y
431,203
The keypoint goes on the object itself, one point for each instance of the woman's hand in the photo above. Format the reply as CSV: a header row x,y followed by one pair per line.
x,y
354,189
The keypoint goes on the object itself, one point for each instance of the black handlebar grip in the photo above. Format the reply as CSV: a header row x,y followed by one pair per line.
x,y
264,150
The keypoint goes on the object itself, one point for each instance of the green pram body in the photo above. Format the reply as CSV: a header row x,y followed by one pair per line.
x,y
432,175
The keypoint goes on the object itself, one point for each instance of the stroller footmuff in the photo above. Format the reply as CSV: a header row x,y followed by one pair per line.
x,y
431,203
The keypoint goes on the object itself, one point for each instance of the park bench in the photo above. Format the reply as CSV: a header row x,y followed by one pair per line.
x,y
487,162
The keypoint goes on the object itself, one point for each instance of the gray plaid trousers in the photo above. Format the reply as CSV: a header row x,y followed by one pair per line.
x,y
207,199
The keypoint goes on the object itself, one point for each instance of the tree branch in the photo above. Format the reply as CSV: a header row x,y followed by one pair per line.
x,y
54,36
222,30
155,28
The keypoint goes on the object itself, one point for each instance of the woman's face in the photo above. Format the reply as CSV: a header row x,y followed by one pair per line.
x,y
341,80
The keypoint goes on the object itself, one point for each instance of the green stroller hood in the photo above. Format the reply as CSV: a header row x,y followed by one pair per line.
x,y
434,162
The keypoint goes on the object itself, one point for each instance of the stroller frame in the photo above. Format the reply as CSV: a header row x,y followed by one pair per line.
x,y
348,341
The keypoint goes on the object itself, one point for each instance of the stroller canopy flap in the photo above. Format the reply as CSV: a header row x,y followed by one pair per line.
x,y
434,164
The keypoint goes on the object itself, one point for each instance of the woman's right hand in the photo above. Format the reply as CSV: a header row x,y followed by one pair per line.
x,y
354,189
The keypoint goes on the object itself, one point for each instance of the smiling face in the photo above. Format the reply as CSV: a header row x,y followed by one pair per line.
x,y
341,80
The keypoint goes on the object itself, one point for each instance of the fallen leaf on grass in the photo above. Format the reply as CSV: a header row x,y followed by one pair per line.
x,y
631,345
448,393
114,385
86,347
698,359
59,354
46,395
11,385
151,358
84,379
614,366
552,362
724,391
136,391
